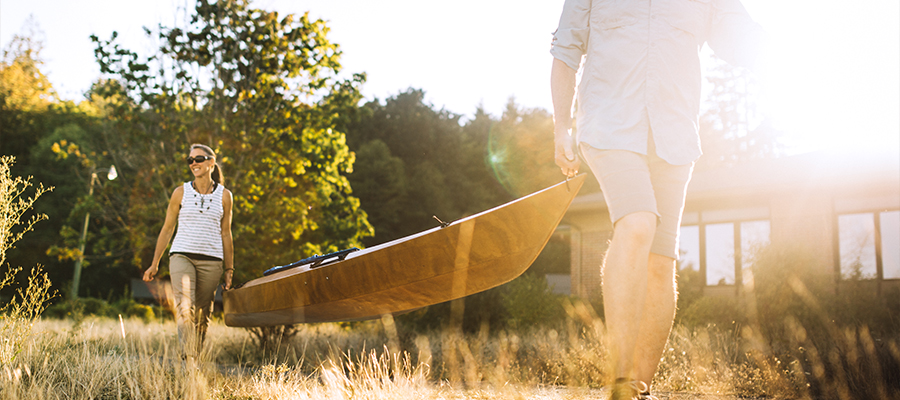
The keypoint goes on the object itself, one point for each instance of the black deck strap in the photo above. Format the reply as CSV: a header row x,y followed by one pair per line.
x,y
316,261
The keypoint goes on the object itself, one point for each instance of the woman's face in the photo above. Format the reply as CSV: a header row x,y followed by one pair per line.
x,y
200,168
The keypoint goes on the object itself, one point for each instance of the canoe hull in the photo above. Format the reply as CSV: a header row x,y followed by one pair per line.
x,y
468,256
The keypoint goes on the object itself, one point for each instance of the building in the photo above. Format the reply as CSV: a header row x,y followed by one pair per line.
x,y
846,209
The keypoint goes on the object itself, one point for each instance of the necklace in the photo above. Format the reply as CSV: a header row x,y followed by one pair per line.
x,y
203,195
212,185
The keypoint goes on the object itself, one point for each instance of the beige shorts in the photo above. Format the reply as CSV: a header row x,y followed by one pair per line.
x,y
633,182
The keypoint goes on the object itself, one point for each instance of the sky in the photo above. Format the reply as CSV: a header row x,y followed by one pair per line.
x,y
834,81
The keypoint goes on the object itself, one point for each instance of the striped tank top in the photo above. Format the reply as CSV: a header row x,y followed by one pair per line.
x,y
199,228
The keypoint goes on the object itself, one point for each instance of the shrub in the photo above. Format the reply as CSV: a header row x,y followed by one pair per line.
x,y
689,287
479,309
127,306
98,307
724,312
529,301
59,310
841,341
18,314
88,306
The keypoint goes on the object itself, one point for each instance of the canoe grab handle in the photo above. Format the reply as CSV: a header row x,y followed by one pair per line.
x,y
316,261
443,224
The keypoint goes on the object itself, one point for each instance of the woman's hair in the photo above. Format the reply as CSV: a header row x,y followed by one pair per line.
x,y
217,175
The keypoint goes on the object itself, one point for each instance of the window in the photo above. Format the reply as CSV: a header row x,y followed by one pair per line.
x,y
710,247
890,244
720,254
857,246
867,239
689,248
754,236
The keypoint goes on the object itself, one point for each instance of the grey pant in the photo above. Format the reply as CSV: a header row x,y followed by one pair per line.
x,y
194,286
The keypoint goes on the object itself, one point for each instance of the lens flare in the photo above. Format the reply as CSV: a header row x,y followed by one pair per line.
x,y
520,156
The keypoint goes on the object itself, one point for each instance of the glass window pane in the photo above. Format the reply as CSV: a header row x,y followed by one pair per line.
x,y
857,245
754,235
890,244
720,254
689,248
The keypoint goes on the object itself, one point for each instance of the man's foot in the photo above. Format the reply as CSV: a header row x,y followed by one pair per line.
x,y
626,389
645,395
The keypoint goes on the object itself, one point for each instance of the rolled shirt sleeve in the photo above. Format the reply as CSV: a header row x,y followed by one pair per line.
x,y
570,41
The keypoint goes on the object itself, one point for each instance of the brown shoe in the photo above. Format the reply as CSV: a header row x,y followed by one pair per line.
x,y
645,395
627,389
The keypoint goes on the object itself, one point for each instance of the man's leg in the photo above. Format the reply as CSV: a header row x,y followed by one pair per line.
x,y
669,186
633,272
625,278
656,317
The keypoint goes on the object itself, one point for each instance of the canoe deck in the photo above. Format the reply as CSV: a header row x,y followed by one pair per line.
x,y
467,256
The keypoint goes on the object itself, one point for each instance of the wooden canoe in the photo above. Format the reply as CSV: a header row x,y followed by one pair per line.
x,y
468,256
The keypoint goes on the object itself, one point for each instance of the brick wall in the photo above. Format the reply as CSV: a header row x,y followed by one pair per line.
x,y
589,248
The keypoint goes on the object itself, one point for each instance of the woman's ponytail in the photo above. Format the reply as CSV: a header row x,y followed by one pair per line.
x,y
217,176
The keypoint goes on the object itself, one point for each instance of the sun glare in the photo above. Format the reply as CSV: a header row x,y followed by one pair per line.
x,y
832,81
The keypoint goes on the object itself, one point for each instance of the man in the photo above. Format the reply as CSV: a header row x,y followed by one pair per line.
x,y
637,114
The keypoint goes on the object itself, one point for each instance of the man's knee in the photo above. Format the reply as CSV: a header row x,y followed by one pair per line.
x,y
637,228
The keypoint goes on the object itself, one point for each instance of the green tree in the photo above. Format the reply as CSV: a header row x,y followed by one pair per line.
x,y
263,91
416,162
379,178
520,150
32,118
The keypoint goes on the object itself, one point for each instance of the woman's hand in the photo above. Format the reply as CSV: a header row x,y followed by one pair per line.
x,y
150,273
228,274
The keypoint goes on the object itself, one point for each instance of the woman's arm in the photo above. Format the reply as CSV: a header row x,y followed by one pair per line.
x,y
227,244
166,233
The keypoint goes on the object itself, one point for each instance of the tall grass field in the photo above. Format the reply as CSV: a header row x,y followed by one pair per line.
x,y
116,358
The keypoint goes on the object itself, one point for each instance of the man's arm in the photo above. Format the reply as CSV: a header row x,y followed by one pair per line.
x,y
562,90
570,42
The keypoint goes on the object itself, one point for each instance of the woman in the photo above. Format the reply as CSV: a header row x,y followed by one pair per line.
x,y
202,209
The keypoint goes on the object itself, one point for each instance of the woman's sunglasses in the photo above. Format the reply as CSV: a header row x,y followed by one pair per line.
x,y
199,159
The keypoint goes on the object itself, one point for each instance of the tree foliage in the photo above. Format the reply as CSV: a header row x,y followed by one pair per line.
x,y
32,117
416,162
262,90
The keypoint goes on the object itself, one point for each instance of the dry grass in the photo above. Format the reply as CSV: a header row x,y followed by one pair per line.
x,y
131,359
105,358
